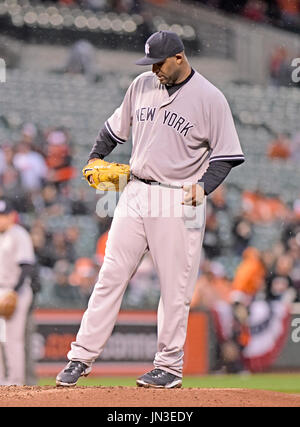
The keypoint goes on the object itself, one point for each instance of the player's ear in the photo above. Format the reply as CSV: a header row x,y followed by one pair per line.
x,y
179,58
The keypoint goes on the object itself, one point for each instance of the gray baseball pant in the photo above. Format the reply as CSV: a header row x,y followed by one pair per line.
x,y
146,218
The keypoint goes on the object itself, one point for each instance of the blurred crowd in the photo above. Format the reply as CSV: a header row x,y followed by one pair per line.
x,y
251,306
283,13
285,147
283,258
36,174
118,6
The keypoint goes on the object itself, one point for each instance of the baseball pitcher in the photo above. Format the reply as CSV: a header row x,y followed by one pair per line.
x,y
184,145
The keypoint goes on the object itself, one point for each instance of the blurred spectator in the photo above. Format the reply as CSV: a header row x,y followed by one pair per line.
x,y
32,167
258,208
51,203
242,231
84,276
291,233
255,10
59,156
82,60
79,204
66,294
41,244
212,242
72,235
280,68
62,248
33,135
279,148
211,286
290,13
279,281
30,135
269,257
249,277
10,178
218,198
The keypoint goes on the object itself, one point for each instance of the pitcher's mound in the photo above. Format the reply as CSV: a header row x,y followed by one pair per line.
x,y
141,397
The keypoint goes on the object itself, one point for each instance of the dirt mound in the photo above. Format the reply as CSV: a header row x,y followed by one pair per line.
x,y
139,397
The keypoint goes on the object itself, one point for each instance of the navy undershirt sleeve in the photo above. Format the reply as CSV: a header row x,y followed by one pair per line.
x,y
103,146
26,271
215,175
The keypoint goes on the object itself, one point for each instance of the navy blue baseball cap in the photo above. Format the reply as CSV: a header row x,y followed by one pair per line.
x,y
159,46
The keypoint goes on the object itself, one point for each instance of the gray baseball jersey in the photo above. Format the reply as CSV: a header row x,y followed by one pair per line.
x,y
175,137
15,248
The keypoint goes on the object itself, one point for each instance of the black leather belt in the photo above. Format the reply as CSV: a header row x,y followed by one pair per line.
x,y
153,182
146,181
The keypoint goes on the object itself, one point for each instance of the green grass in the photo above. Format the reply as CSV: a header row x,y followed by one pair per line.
x,y
288,383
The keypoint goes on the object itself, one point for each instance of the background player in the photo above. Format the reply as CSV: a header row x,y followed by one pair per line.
x,y
16,270
184,145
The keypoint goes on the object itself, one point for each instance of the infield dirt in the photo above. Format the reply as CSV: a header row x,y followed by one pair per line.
x,y
49,396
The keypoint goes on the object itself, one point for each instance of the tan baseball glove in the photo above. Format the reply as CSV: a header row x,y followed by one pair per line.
x,y
8,303
106,176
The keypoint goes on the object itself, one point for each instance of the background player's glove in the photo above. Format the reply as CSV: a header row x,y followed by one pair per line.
x,y
8,303
106,176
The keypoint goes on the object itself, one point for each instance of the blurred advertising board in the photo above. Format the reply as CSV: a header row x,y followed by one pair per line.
x,y
129,351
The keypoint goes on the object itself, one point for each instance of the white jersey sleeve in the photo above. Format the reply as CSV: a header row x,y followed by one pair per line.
x,y
119,123
224,140
24,252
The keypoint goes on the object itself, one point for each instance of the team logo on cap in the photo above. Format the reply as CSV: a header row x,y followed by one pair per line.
x,y
147,49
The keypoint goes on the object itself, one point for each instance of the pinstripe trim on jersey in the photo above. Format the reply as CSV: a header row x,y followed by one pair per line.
x,y
235,157
112,134
204,156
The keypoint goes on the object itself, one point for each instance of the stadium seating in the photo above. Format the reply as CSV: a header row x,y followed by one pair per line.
x,y
51,99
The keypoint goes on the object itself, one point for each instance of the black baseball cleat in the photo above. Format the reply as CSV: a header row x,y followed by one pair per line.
x,y
69,376
158,378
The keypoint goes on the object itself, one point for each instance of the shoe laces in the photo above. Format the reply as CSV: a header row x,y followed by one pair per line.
x,y
74,366
157,373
